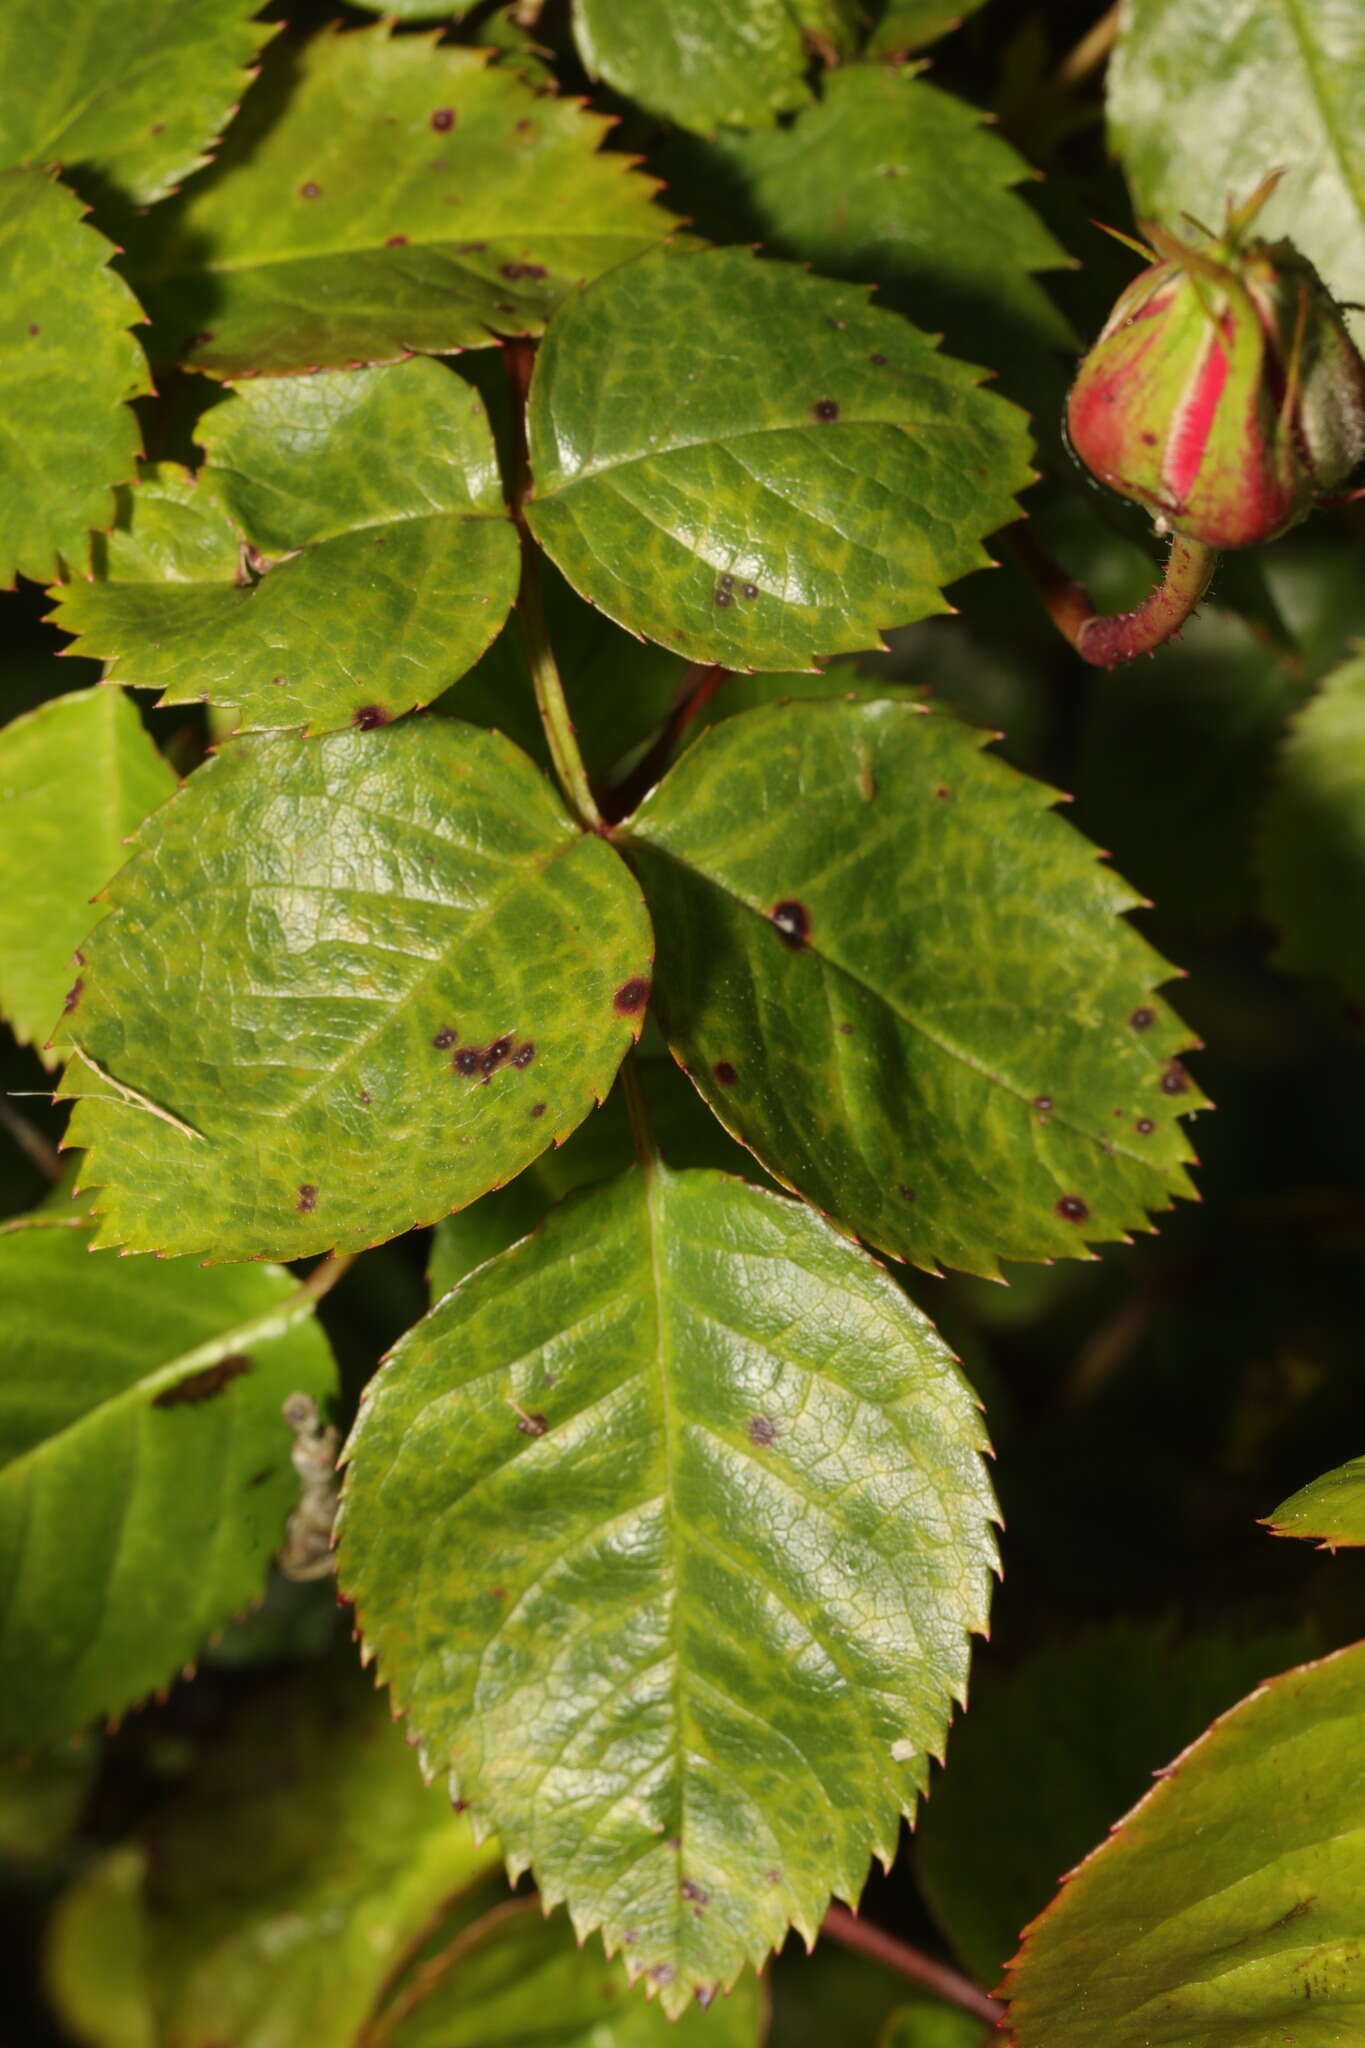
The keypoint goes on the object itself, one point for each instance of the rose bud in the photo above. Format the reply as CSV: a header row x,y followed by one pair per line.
x,y
1224,392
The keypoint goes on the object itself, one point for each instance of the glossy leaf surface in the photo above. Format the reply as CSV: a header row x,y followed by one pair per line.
x,y
517,1980
703,63
819,479
1226,1907
77,777
1182,83
889,181
144,1466
378,195
373,502
1052,1752
133,90
1330,1509
901,979
273,1897
66,436
1313,847
669,1530
416,965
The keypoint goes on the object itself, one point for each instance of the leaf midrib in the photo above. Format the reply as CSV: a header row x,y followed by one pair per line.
x,y
496,237
1109,1146
1309,59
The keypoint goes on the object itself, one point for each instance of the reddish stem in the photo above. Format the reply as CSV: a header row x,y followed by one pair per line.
x,y
1106,639
850,1932
696,690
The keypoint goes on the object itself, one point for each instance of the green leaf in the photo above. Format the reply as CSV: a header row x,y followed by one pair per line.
x,y
1182,79
1049,1754
669,1529
132,91
901,980
381,194
819,480
418,975
930,2026
1313,848
95,1962
41,1798
376,493
145,1476
684,1130
517,1980
889,181
77,778
1226,1907
1330,1509
702,63
66,435
909,24
274,1896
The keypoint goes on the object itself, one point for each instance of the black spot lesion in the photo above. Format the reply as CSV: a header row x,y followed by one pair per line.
x,y
1073,1209
725,1073
1174,1079
369,717
631,997
826,409
308,1199
532,1425
791,921
761,1430
1143,1017
203,1385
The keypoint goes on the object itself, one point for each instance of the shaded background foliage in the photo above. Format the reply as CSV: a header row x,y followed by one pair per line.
x,y
1147,1407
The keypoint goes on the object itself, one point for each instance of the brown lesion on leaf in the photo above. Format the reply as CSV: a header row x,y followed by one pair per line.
x,y
1073,1209
1143,1017
1174,1079
631,997
72,996
308,1199
531,1425
204,1384
762,1430
790,919
725,1073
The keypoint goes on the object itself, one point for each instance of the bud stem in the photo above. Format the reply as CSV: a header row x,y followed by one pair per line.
x,y
1103,639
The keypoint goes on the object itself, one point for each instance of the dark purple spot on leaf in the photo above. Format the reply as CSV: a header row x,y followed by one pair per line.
x,y
532,1425
1175,1081
202,1386
724,596
369,716
524,1054
466,1060
877,357
72,996
495,1055
1143,1019
310,191
943,792
446,1038
443,120
762,1430
1043,1104
396,242
537,1109
749,590
663,1973
513,271
826,409
498,1592
308,1199
259,1478
1144,1126
725,1073
774,1876
846,1031
630,997
791,921
906,1194
1072,1209
366,1097
693,1891
34,328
